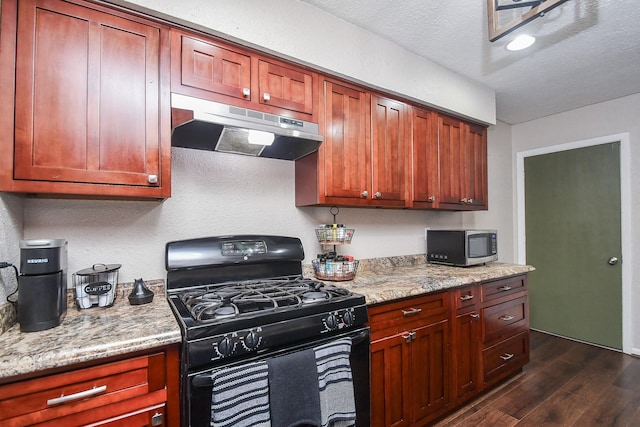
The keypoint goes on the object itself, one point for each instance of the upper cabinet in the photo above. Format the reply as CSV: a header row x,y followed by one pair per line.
x,y
388,141
229,74
91,113
362,159
462,165
424,160
381,152
340,172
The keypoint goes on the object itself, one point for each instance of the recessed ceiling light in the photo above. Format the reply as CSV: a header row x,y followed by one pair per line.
x,y
523,41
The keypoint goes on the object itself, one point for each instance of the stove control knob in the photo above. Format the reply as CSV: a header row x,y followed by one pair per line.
x,y
251,341
331,322
348,318
226,347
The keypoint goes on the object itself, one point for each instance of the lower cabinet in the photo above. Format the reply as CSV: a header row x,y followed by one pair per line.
x,y
410,361
432,353
140,391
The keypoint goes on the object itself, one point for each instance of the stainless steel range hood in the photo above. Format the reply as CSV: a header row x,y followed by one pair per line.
x,y
207,125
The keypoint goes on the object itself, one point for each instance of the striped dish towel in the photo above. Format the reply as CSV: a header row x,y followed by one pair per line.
x,y
240,396
337,402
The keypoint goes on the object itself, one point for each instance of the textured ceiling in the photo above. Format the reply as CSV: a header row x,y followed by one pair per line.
x,y
587,51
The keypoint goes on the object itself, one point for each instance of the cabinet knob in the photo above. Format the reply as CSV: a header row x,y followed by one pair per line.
x,y
266,96
378,195
506,356
464,200
153,179
469,201
365,194
246,92
466,297
506,318
475,315
431,199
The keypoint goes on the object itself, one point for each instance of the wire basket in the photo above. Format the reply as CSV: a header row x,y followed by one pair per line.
x,y
334,235
337,271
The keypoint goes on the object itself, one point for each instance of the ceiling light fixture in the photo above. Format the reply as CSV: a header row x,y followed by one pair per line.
x,y
498,8
523,41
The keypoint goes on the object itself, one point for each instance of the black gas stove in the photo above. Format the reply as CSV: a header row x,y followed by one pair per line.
x,y
224,319
241,298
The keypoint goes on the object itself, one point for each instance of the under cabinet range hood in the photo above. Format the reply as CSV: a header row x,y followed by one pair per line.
x,y
208,125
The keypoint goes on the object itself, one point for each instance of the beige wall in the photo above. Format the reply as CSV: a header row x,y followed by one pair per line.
x,y
11,229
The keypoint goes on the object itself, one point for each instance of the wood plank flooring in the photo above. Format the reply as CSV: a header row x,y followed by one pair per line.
x,y
566,384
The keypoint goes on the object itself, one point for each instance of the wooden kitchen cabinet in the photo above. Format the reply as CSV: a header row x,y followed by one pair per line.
x,y
362,159
462,165
466,339
410,361
424,159
140,390
505,328
226,73
388,142
85,92
339,173
432,353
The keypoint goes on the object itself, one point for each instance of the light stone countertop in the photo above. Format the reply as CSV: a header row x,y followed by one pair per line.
x,y
88,335
96,333
386,279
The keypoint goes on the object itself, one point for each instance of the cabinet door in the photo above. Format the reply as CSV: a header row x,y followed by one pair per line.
x,y
430,371
424,137
390,381
212,67
285,87
466,345
451,160
388,121
476,152
346,144
87,96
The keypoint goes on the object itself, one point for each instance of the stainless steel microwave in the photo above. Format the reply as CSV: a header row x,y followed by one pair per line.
x,y
462,247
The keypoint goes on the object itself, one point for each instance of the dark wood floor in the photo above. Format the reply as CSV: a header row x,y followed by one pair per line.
x,y
566,384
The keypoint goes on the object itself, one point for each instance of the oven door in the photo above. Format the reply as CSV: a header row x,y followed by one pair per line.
x,y
197,386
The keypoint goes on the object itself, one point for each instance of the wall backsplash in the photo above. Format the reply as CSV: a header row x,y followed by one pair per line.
x,y
216,194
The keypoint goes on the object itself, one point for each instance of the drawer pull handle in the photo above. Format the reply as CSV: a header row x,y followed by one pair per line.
x,y
475,315
506,356
466,297
411,312
504,288
506,318
77,396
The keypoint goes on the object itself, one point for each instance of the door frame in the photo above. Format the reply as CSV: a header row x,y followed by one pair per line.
x,y
625,219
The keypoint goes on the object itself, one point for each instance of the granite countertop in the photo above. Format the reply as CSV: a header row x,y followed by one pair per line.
x,y
90,334
96,333
386,279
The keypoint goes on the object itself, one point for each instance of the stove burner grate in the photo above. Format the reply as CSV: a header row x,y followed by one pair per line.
x,y
215,302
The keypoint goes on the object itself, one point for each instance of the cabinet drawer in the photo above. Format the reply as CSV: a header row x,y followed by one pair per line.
x,y
400,315
505,357
499,320
465,297
501,288
60,395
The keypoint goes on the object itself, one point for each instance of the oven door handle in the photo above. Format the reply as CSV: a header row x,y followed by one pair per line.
x,y
202,381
